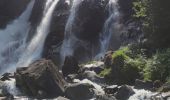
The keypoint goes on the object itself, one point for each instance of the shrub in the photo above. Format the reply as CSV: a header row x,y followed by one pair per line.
x,y
158,68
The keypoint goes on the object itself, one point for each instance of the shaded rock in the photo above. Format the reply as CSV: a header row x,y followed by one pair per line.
x,y
111,89
41,79
88,26
139,84
165,87
108,58
62,98
71,77
95,66
124,92
57,30
105,97
11,9
126,8
157,84
70,66
5,77
92,76
79,91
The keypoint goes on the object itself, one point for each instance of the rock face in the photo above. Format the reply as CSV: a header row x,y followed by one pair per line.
x,y
91,17
70,66
57,29
11,9
41,79
79,91
126,9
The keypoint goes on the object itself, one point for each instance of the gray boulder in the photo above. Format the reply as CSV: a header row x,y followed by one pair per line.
x,y
79,91
41,79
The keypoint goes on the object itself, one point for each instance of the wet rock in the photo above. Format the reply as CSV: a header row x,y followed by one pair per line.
x,y
5,77
105,97
57,30
92,76
79,91
165,87
124,92
41,79
71,77
70,66
111,89
108,58
62,98
139,84
9,10
88,26
126,8
157,84
95,66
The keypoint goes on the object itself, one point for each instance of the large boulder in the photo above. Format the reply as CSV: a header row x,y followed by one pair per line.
x,y
41,79
79,91
70,66
139,84
11,9
124,92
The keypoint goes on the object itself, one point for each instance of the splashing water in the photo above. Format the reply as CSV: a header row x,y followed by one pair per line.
x,y
13,40
35,48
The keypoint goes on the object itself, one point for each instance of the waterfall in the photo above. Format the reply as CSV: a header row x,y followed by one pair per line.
x,y
35,47
70,40
13,39
110,29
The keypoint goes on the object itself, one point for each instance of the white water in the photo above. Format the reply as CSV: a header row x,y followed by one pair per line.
x,y
35,48
110,28
13,40
96,86
70,40
10,87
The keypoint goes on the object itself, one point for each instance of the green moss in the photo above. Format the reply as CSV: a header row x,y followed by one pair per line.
x,y
125,67
121,52
105,72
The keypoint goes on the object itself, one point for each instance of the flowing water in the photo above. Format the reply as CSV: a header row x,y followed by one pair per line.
x,y
16,51
35,47
110,29
69,39
13,40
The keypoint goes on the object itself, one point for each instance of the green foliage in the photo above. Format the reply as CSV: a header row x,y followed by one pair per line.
x,y
105,72
140,8
158,68
121,52
125,67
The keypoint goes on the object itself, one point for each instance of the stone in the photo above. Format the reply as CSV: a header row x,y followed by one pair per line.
x,y
70,66
111,89
62,98
139,84
79,91
41,79
124,92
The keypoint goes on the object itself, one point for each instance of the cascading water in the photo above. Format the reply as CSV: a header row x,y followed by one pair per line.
x,y
13,40
110,29
35,48
17,52
69,39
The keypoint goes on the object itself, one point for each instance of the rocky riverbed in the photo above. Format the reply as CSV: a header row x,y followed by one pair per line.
x,y
43,80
